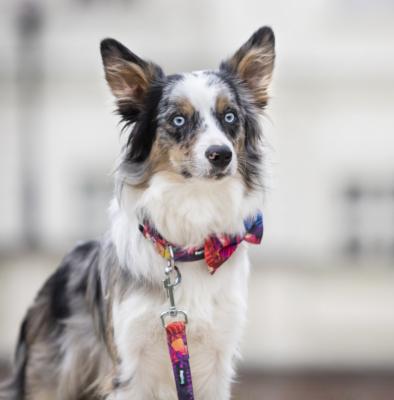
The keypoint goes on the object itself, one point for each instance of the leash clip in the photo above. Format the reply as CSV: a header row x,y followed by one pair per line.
x,y
169,286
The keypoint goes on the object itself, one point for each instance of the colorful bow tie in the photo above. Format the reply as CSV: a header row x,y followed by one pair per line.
x,y
217,248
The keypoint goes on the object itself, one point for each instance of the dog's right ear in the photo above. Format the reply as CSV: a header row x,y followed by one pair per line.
x,y
128,76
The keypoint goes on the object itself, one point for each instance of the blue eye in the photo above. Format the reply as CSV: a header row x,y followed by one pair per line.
x,y
229,117
178,121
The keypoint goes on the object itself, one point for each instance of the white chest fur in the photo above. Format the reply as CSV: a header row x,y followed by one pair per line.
x,y
215,304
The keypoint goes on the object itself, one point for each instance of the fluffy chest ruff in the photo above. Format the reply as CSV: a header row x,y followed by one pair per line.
x,y
216,316
215,304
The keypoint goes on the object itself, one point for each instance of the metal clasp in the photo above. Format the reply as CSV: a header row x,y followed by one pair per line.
x,y
169,286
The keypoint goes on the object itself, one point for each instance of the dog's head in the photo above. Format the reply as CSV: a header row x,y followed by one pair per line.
x,y
198,125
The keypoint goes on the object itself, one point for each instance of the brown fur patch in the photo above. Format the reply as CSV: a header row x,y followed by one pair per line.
x,y
254,63
178,154
169,156
255,68
159,158
128,80
185,107
222,104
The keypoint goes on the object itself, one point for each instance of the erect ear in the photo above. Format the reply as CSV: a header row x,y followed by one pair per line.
x,y
254,63
128,76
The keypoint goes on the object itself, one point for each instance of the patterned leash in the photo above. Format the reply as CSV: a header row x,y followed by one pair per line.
x,y
176,333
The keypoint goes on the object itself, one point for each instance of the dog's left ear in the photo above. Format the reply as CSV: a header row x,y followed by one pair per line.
x,y
253,63
128,76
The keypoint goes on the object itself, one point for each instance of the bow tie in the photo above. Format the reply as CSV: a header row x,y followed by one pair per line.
x,y
216,249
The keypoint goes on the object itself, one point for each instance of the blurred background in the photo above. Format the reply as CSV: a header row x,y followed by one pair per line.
x,y
321,314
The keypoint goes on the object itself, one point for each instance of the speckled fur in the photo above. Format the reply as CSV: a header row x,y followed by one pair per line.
x,y
94,330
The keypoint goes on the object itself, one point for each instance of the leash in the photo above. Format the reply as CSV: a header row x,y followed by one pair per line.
x,y
215,251
176,333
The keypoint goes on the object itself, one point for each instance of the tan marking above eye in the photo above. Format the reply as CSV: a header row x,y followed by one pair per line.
x,y
222,104
184,107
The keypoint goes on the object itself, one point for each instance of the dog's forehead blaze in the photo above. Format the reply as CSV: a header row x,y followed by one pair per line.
x,y
199,91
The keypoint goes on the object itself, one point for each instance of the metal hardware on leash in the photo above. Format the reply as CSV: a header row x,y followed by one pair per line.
x,y
169,285
176,331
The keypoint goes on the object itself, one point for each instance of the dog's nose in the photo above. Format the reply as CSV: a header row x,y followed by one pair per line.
x,y
219,156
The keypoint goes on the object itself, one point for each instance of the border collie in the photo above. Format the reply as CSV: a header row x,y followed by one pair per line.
x,y
192,166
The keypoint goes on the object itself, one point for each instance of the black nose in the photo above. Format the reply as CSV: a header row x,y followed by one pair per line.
x,y
219,156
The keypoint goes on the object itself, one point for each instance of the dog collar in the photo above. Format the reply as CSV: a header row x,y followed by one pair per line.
x,y
216,249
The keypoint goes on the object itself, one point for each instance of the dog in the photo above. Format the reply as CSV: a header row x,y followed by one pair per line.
x,y
192,168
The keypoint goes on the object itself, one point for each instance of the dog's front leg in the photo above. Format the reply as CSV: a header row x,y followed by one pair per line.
x,y
128,394
215,382
143,392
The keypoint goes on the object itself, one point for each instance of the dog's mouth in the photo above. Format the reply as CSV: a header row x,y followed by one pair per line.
x,y
211,174
218,174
